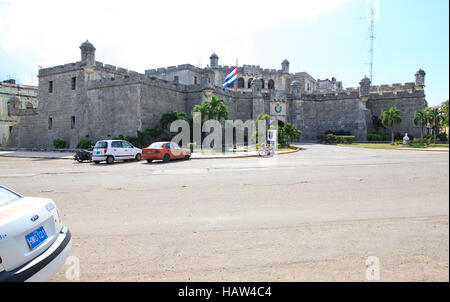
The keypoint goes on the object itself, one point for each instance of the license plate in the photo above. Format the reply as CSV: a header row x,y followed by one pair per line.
x,y
98,152
36,237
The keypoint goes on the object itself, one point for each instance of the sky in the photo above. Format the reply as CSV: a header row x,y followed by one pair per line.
x,y
326,38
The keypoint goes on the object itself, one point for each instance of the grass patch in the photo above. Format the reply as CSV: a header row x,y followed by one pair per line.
x,y
389,146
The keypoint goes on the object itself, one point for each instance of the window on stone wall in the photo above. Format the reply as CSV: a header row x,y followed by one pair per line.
x,y
176,79
250,82
8,108
240,83
195,80
271,84
29,105
10,129
50,123
50,86
74,83
72,122
262,83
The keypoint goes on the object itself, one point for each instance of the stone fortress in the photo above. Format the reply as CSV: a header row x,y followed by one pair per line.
x,y
100,101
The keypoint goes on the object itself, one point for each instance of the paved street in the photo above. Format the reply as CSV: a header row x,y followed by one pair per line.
x,y
314,215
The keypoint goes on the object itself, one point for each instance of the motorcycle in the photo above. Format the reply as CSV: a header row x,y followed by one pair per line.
x,y
82,155
266,151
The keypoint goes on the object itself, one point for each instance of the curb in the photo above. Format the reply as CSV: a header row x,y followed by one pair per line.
x,y
252,155
423,150
212,157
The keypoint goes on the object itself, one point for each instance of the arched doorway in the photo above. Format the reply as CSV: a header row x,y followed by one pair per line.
x,y
250,82
271,84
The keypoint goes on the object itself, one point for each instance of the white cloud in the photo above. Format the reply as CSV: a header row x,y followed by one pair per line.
x,y
146,34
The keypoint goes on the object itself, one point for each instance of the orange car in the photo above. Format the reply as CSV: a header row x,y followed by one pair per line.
x,y
165,151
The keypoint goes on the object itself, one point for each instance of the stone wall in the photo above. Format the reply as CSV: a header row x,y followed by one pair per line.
x,y
407,102
315,117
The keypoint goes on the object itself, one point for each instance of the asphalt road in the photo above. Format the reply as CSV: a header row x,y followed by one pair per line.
x,y
315,215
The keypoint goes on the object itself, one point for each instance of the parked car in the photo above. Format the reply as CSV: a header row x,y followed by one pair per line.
x,y
34,243
112,150
165,151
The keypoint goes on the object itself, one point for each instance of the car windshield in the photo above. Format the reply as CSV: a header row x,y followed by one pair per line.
x,y
101,145
7,197
156,145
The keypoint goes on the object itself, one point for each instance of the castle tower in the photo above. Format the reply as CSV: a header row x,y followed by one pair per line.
x,y
285,66
88,53
214,60
420,78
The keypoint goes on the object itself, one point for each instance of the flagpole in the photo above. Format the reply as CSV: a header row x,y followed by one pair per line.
x,y
235,91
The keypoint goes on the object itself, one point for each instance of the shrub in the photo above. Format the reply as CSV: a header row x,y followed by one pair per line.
x,y
442,137
345,139
59,143
84,143
419,142
398,136
374,137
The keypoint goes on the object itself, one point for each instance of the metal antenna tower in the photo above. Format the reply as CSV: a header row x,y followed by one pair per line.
x,y
371,37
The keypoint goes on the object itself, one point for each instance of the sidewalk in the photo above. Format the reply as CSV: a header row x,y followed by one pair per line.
x,y
70,155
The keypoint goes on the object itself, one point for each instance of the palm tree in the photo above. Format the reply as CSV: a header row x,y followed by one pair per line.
x,y
434,119
214,109
390,118
291,133
169,117
420,116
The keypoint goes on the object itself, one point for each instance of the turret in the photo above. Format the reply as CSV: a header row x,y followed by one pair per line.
x,y
285,66
88,53
364,87
420,78
214,60
296,90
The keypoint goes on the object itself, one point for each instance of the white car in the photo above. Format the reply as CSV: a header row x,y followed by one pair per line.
x,y
34,244
111,150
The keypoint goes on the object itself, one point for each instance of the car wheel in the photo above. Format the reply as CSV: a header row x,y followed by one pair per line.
x,y
138,157
96,162
187,156
166,158
149,160
109,159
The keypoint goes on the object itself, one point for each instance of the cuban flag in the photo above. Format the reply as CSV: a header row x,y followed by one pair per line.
x,y
231,77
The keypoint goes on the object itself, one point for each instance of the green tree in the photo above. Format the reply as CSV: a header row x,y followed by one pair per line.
x,y
420,118
434,120
291,133
169,117
445,113
390,118
377,124
214,109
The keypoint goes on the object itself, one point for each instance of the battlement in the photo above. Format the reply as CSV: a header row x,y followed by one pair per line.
x,y
329,96
162,70
78,65
59,69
